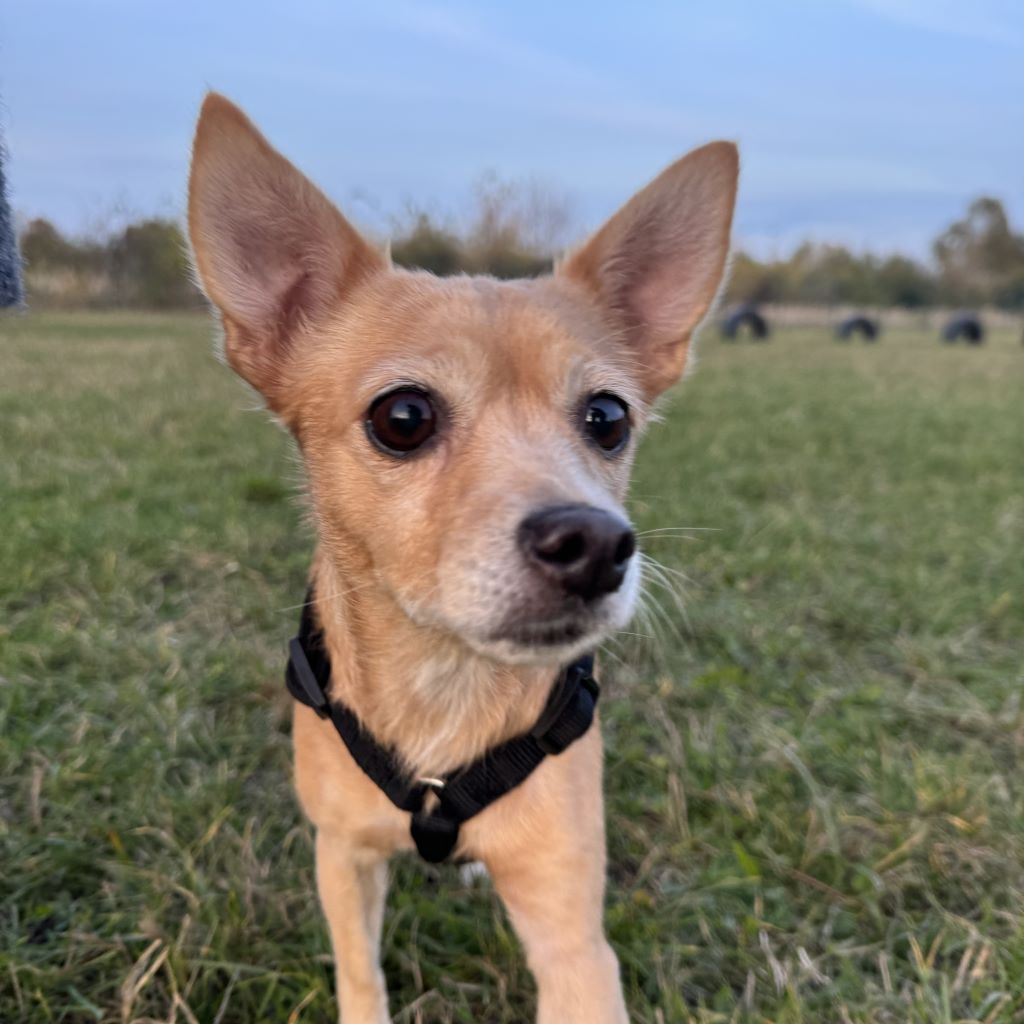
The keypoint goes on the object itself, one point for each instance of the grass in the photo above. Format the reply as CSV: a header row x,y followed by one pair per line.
x,y
814,772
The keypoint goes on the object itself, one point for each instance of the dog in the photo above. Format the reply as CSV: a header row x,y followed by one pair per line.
x,y
467,444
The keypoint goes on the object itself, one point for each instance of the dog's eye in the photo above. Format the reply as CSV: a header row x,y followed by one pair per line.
x,y
607,421
401,421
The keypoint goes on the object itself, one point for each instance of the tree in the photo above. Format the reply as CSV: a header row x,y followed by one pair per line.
x,y
980,256
753,281
43,245
45,248
515,228
903,282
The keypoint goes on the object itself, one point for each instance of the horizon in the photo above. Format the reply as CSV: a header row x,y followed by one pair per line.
x,y
409,104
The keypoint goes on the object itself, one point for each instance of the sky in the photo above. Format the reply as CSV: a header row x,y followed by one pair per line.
x,y
866,122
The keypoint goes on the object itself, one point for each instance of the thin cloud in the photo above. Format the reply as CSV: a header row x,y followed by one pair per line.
x,y
994,21
463,29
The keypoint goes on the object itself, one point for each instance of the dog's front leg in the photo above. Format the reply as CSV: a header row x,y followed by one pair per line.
x,y
552,878
353,885
555,903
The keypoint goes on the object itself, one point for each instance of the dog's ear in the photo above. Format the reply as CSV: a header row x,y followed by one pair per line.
x,y
656,266
271,251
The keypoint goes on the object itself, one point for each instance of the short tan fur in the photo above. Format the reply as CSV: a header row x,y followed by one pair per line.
x,y
444,636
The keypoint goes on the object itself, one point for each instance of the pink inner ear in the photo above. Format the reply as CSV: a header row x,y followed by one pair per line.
x,y
664,300
667,268
656,303
262,285
274,265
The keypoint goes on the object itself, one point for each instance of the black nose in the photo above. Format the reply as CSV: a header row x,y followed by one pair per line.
x,y
583,549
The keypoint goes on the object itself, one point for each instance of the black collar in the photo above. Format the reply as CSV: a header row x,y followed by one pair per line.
x,y
466,791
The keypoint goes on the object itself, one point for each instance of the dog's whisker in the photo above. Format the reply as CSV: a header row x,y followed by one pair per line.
x,y
607,651
667,570
672,536
670,588
679,529
654,573
653,615
329,597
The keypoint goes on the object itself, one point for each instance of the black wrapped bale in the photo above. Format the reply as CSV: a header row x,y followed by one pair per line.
x,y
858,324
966,327
745,317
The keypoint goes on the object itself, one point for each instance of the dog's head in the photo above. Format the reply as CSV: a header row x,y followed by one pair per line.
x,y
468,441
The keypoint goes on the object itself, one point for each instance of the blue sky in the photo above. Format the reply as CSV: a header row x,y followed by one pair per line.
x,y
870,122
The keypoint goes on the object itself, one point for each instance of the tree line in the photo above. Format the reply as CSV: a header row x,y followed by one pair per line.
x,y
977,261
513,230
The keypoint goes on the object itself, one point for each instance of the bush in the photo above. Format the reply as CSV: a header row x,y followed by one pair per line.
x,y
428,247
144,266
149,267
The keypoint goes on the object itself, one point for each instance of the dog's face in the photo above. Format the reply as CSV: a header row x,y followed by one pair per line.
x,y
473,440
468,441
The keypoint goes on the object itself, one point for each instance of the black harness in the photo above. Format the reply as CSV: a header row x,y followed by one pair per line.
x,y
466,791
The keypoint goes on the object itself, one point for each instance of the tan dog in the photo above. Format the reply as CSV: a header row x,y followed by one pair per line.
x,y
468,444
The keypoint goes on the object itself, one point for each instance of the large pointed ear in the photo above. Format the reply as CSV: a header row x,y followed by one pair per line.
x,y
271,251
656,266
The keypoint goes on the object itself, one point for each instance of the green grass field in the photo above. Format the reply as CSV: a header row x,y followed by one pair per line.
x,y
816,809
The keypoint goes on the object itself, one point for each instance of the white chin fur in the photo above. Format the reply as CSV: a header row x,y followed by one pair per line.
x,y
523,652
516,652
511,652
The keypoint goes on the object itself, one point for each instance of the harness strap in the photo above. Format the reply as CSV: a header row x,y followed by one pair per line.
x,y
567,715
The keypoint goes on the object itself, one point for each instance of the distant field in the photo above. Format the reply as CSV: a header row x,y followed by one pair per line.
x,y
814,770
